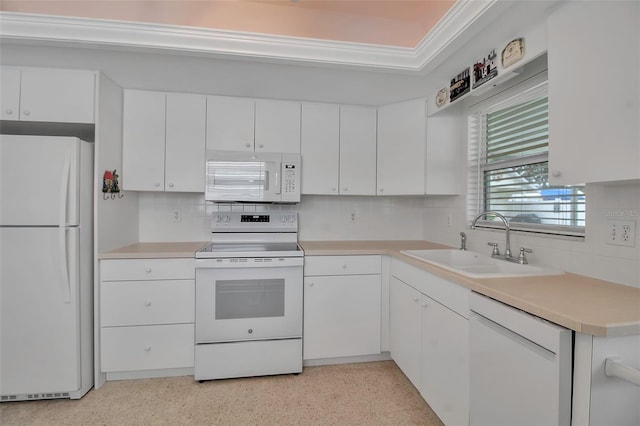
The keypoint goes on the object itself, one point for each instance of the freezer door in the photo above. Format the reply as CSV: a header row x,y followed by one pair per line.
x,y
39,327
39,180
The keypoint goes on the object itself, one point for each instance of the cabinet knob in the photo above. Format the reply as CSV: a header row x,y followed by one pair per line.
x,y
247,145
147,303
416,299
333,189
147,348
157,184
27,112
8,111
310,284
424,305
345,189
260,145
147,270
556,173
344,266
171,185
381,190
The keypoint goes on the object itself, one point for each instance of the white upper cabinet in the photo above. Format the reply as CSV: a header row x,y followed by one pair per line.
x,y
594,92
260,125
402,148
277,126
163,141
357,150
230,123
445,162
320,146
185,142
47,95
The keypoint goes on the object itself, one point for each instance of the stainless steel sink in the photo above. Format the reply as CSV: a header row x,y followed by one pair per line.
x,y
476,265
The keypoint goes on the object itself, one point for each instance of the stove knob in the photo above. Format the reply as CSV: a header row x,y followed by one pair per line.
x,y
218,218
292,218
283,219
227,219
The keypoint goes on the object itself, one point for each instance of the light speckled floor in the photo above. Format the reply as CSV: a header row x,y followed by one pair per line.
x,y
374,393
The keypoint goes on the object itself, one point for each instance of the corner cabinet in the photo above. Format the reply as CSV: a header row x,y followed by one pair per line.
x,y
594,92
147,314
402,143
429,338
47,95
163,141
342,306
245,124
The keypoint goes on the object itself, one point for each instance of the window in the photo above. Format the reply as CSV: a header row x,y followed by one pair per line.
x,y
508,154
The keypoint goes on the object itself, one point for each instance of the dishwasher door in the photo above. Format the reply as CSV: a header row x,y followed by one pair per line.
x,y
520,367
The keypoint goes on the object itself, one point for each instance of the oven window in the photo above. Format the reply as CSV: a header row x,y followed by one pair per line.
x,y
249,298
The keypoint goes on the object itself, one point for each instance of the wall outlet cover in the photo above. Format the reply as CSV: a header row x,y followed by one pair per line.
x,y
621,232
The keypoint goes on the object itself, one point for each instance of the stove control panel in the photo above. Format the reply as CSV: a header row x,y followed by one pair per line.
x,y
285,221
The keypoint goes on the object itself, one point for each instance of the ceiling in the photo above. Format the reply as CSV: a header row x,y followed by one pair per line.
x,y
398,23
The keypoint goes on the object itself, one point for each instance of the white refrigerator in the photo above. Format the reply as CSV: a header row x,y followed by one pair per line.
x,y
46,267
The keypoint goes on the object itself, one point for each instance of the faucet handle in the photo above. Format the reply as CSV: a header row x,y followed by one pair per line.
x,y
495,251
523,258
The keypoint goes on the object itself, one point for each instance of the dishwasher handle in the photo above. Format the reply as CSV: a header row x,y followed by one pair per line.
x,y
614,367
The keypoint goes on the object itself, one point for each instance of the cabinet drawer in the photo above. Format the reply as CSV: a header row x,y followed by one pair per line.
x,y
342,265
147,269
147,347
147,302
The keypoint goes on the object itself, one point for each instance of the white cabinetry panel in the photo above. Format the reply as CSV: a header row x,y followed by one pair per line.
x,y
320,148
230,123
402,148
357,150
10,93
404,329
277,126
593,121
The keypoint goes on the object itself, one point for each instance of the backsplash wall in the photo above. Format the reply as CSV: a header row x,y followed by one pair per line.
x,y
320,217
592,256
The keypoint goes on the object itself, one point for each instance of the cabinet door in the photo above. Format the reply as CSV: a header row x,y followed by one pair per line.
x,y
319,147
56,95
143,140
357,150
593,116
445,162
445,362
185,142
230,123
277,126
341,316
9,93
404,329
401,148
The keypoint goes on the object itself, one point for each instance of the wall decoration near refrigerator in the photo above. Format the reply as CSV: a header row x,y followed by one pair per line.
x,y
46,267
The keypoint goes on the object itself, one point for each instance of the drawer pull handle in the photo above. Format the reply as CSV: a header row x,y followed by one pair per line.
x,y
147,348
147,270
147,303
344,266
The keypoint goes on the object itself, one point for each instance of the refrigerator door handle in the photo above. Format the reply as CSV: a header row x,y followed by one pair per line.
x,y
64,192
62,235
64,270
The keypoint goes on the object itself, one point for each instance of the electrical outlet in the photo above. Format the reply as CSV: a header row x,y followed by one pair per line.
x,y
354,216
621,233
176,216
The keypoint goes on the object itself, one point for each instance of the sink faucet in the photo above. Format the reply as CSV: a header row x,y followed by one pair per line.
x,y
507,229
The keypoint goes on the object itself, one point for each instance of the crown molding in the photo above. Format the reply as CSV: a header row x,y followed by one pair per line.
x,y
96,33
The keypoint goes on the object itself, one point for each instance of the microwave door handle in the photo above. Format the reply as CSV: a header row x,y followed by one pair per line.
x,y
277,182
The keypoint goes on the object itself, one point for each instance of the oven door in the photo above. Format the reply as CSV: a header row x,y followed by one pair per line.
x,y
248,299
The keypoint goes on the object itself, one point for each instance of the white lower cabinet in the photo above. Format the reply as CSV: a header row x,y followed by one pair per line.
x,y
341,306
429,338
146,314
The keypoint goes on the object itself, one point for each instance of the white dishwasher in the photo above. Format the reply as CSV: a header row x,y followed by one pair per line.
x,y
520,367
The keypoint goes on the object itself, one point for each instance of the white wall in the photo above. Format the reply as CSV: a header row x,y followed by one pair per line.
x,y
592,256
320,217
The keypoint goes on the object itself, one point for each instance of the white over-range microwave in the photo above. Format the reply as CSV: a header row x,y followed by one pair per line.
x,y
252,177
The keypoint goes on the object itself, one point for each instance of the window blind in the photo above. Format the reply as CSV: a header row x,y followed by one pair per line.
x,y
508,157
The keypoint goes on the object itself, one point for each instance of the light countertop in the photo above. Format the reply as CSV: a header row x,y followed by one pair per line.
x,y
583,304
154,250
